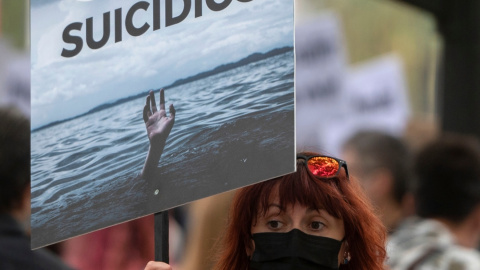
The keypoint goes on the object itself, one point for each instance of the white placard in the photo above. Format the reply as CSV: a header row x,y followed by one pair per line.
x,y
375,97
320,71
226,66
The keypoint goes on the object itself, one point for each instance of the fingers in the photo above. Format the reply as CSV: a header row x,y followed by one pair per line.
x,y
162,100
157,266
152,101
172,111
145,113
146,110
151,107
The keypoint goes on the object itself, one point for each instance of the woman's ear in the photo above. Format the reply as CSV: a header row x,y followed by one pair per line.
x,y
346,257
343,254
250,248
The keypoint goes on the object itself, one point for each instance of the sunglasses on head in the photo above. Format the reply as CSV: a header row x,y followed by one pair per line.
x,y
323,166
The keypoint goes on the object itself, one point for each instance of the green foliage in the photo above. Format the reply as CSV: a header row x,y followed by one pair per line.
x,y
14,21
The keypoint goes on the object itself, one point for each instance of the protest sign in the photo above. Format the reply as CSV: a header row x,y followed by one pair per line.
x,y
226,66
321,66
375,98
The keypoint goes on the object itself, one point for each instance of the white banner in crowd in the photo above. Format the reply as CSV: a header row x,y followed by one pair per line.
x,y
226,66
320,71
375,98
376,95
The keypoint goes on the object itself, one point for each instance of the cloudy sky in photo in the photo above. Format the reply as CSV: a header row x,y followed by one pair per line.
x,y
66,87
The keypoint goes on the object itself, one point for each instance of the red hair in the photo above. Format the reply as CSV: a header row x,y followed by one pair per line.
x,y
340,197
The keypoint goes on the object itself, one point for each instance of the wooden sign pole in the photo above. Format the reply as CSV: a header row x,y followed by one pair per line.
x,y
161,236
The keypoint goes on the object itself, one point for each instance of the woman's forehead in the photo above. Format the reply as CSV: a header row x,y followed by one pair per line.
x,y
274,200
274,196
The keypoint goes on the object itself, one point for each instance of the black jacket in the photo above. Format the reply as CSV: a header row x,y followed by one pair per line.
x,y
15,252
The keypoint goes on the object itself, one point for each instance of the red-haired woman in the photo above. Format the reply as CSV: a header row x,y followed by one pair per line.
x,y
315,218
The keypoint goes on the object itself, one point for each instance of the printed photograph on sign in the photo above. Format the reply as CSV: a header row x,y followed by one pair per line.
x,y
142,106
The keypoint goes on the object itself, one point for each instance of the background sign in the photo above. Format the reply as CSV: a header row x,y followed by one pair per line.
x,y
334,100
375,99
321,66
228,68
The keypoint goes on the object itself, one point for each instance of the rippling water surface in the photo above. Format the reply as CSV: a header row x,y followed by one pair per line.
x,y
231,129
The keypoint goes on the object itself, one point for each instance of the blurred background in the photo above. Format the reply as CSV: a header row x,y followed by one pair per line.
x,y
14,54
372,64
372,28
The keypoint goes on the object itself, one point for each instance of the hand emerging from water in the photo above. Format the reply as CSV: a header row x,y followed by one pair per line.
x,y
158,126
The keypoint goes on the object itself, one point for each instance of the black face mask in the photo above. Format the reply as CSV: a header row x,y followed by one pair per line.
x,y
294,250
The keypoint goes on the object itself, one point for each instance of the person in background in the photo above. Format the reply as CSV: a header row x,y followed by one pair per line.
x,y
314,218
446,190
15,252
381,162
207,219
124,246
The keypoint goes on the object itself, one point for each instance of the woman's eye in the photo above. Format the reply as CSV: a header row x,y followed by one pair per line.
x,y
274,224
316,225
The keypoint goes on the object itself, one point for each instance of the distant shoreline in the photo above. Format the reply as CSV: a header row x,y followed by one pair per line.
x,y
255,57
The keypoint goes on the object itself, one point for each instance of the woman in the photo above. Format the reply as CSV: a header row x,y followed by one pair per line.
x,y
315,218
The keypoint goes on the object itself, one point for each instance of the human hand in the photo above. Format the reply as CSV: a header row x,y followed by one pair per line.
x,y
157,123
157,266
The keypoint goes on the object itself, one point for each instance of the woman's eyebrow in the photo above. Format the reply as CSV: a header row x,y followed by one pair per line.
x,y
311,209
275,205
323,213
